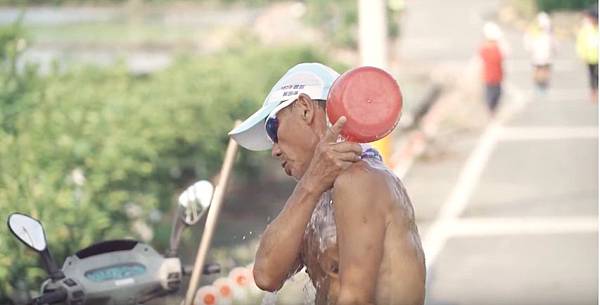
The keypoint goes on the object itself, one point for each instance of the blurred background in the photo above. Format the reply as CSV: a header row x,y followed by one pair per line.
x,y
110,108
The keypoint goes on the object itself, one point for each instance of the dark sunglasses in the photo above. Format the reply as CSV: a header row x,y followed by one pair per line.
x,y
271,125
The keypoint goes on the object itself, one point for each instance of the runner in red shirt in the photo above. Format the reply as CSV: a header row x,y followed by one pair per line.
x,y
492,58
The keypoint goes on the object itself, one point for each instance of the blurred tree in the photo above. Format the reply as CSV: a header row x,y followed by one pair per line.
x,y
340,20
89,151
77,2
553,5
529,8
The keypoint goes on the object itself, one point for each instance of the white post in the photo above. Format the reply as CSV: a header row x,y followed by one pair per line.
x,y
372,33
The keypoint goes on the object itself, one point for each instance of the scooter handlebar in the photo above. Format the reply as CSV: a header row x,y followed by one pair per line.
x,y
53,297
207,269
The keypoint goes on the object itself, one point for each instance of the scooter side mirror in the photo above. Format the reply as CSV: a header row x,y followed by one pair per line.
x,y
192,204
28,230
31,232
194,201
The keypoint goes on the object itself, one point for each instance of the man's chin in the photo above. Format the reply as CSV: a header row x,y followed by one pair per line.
x,y
291,173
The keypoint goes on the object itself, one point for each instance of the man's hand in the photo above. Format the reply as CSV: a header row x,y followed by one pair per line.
x,y
330,159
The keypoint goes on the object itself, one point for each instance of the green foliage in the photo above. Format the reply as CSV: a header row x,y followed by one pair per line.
x,y
528,8
109,2
340,20
553,5
135,139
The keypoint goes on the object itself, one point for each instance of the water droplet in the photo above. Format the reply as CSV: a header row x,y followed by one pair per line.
x,y
270,298
244,237
309,292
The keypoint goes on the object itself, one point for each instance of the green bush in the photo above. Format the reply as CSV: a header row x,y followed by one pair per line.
x,y
135,139
553,5
340,20
109,2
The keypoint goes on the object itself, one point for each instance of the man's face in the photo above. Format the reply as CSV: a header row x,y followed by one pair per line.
x,y
296,141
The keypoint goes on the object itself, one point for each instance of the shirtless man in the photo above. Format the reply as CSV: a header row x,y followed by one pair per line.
x,y
349,220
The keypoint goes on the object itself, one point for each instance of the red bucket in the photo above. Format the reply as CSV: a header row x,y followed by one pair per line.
x,y
371,101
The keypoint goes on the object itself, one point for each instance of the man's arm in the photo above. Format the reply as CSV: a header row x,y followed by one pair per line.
x,y
278,253
360,222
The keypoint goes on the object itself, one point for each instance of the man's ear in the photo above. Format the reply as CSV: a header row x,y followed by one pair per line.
x,y
305,108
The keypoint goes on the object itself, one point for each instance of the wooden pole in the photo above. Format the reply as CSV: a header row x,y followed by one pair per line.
x,y
211,219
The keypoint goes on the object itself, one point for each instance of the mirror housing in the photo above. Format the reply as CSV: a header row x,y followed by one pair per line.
x,y
191,205
194,201
28,230
31,232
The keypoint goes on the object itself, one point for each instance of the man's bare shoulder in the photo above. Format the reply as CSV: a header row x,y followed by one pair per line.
x,y
362,185
379,188
364,175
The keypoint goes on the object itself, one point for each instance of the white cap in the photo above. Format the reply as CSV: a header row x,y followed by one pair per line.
x,y
492,31
312,79
544,20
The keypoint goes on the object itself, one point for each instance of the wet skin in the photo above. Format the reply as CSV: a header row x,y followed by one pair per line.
x,y
350,222
386,260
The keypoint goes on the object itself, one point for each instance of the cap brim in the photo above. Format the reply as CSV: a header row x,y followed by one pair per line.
x,y
251,133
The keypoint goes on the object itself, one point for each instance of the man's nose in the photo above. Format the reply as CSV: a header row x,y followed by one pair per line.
x,y
275,151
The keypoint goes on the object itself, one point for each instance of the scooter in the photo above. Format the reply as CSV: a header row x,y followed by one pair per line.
x,y
116,272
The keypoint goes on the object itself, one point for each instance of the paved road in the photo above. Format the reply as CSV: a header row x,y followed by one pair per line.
x,y
508,214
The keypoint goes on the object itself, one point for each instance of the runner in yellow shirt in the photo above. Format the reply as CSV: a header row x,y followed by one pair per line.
x,y
587,47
